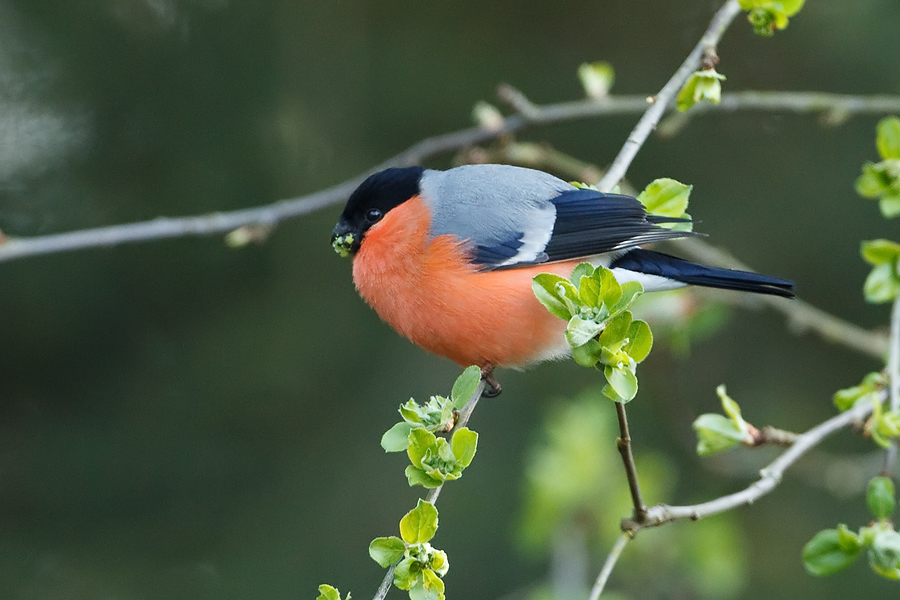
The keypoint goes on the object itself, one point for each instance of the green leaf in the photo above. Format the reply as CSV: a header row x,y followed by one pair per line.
x,y
848,541
327,592
589,292
405,576
666,198
890,205
717,433
630,292
396,439
596,78
731,408
581,270
873,182
416,476
420,524
622,381
428,587
465,385
701,85
587,354
464,444
640,341
420,441
824,554
579,331
880,497
616,330
387,550
545,287
878,252
888,137
439,562
885,552
882,284
610,290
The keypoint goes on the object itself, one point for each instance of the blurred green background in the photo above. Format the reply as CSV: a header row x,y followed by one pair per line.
x,y
183,420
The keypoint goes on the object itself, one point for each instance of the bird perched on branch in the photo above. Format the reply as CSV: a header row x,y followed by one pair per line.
x,y
447,257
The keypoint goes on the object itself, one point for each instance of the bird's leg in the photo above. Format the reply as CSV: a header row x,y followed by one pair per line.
x,y
493,388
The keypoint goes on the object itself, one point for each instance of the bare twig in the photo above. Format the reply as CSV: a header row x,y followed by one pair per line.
x,y
771,436
624,445
647,124
893,372
893,366
801,315
769,478
13,247
611,559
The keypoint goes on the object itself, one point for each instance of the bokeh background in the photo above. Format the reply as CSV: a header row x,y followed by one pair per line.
x,y
183,420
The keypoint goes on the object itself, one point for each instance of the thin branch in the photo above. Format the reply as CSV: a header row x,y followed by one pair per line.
x,y
893,366
801,315
12,247
771,436
624,445
386,583
611,560
465,414
648,122
893,372
769,478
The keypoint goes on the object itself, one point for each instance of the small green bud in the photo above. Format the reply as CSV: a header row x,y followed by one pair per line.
x,y
880,497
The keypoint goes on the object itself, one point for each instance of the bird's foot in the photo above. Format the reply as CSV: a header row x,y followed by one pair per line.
x,y
493,389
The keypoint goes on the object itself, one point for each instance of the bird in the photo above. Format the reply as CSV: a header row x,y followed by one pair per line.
x,y
447,257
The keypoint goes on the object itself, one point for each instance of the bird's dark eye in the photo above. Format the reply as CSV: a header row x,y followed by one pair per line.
x,y
373,215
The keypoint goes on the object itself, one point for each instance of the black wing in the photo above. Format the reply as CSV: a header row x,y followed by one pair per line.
x,y
590,222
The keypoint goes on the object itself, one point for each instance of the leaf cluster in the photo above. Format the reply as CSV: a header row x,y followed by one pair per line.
x,y
601,331
766,15
831,550
419,566
717,433
881,180
701,86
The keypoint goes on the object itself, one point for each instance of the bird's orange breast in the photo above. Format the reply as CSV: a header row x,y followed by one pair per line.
x,y
427,290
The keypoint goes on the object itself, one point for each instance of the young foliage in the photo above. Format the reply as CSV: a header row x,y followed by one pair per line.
x,y
883,283
436,415
666,197
834,549
868,391
717,433
882,180
883,426
596,78
601,330
327,592
419,565
705,85
435,461
767,15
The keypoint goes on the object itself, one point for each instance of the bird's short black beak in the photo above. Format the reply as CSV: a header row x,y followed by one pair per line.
x,y
345,240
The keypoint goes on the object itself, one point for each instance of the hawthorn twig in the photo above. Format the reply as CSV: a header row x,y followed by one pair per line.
x,y
893,372
769,478
15,247
648,122
611,559
623,443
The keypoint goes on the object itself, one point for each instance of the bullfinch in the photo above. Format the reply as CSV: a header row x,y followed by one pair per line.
x,y
447,257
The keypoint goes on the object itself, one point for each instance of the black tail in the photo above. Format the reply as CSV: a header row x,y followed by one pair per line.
x,y
670,267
